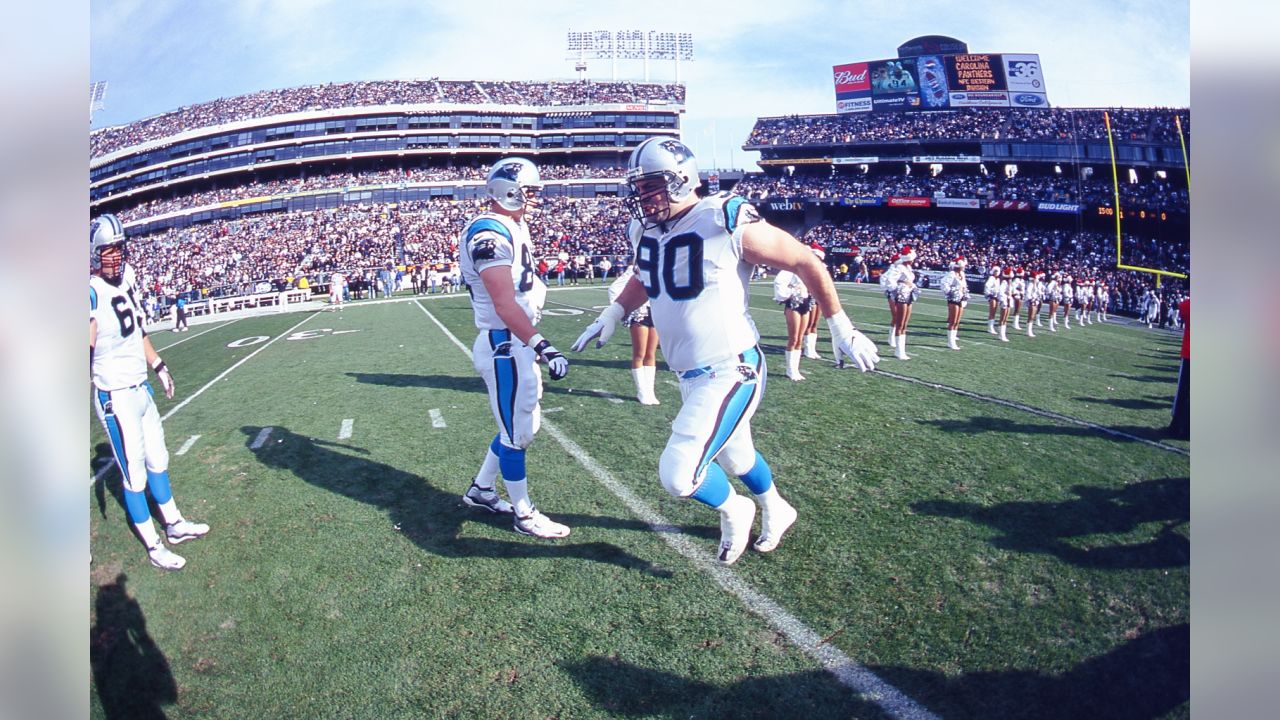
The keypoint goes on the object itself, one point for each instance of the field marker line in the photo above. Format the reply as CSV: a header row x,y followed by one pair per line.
x,y
187,445
259,441
848,672
437,418
607,396
98,475
344,432
193,337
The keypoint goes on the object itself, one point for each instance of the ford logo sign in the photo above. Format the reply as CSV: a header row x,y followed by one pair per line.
x,y
1028,99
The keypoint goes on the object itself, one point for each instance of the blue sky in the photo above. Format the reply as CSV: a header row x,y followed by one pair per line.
x,y
752,57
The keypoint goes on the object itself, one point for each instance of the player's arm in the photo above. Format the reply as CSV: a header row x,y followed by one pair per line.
x,y
763,243
497,282
155,363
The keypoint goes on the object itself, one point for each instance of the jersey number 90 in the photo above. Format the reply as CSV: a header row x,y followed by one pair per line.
x,y
657,266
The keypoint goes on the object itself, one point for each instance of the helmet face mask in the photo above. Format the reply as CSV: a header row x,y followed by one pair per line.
x,y
515,185
107,251
661,172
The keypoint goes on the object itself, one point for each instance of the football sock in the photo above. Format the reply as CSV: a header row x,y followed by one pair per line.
x,y
760,477
714,490
518,491
135,502
147,532
158,484
488,474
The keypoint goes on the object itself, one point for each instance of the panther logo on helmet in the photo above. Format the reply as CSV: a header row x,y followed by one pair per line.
x,y
513,183
660,172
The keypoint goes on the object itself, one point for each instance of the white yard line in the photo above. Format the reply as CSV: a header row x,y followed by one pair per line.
x,y
187,445
261,440
437,418
103,471
344,432
851,674
193,337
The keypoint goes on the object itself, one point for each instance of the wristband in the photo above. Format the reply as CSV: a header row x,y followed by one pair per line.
x,y
158,365
536,340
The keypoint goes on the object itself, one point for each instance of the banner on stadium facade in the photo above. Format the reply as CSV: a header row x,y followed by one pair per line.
x,y
940,82
946,159
1009,204
908,202
861,201
786,205
930,278
975,73
853,87
1022,73
1059,207
855,160
967,203
980,99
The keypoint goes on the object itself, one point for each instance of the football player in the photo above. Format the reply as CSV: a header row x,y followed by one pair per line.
x,y
693,260
507,298
119,354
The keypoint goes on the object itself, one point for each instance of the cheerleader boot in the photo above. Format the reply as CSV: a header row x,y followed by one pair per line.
x,y
951,339
1053,323
811,346
991,326
1030,329
901,349
893,338
1066,321
1003,336
1017,322
1038,323
793,365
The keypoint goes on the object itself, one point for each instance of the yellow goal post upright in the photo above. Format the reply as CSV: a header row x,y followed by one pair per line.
x,y
1119,213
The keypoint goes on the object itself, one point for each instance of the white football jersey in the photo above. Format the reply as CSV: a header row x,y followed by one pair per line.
x,y
119,360
696,280
492,239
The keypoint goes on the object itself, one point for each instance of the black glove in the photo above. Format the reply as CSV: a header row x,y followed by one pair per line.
x,y
557,364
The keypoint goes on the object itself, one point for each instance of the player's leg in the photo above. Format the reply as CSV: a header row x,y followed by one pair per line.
x,y
811,332
176,528
483,491
121,415
714,408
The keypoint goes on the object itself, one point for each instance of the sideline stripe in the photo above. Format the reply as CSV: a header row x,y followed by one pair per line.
x,y
98,475
187,445
344,432
849,673
259,441
193,337
437,418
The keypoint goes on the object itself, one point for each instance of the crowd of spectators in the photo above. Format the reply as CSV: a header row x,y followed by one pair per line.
x,y
373,93
391,177
1155,193
970,123
1080,253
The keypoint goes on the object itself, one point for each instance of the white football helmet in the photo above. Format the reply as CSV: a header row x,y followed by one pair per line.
x,y
512,183
665,159
105,231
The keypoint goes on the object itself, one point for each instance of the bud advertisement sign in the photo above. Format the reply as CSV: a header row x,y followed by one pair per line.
x,y
940,82
853,87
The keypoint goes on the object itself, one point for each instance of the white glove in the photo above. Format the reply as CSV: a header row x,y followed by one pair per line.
x,y
557,364
166,378
601,328
855,345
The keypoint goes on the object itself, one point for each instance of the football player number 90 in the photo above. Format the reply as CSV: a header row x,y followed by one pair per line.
x,y
657,266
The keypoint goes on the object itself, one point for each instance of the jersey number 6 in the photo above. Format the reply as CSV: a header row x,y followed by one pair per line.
x,y
658,266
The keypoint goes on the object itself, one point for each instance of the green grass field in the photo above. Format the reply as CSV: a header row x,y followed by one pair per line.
x,y
1001,532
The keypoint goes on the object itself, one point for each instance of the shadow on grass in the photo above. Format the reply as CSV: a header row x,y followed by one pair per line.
x,y
983,424
1126,403
1147,677
1044,527
462,383
621,689
430,517
1171,379
130,675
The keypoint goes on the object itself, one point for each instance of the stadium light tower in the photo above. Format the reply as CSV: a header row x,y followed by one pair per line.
x,y
97,91
629,45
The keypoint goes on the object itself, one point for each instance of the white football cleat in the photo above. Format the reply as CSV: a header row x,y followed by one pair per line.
x,y
539,525
477,496
736,516
185,530
164,558
773,523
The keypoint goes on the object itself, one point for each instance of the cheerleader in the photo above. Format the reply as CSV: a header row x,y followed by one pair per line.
x,y
1004,301
889,284
1035,297
1084,298
790,292
956,290
1053,292
991,291
811,330
1104,301
1153,308
1068,299
906,293
644,343
1017,291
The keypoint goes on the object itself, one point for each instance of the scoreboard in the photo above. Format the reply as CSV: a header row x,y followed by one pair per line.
x,y
940,82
